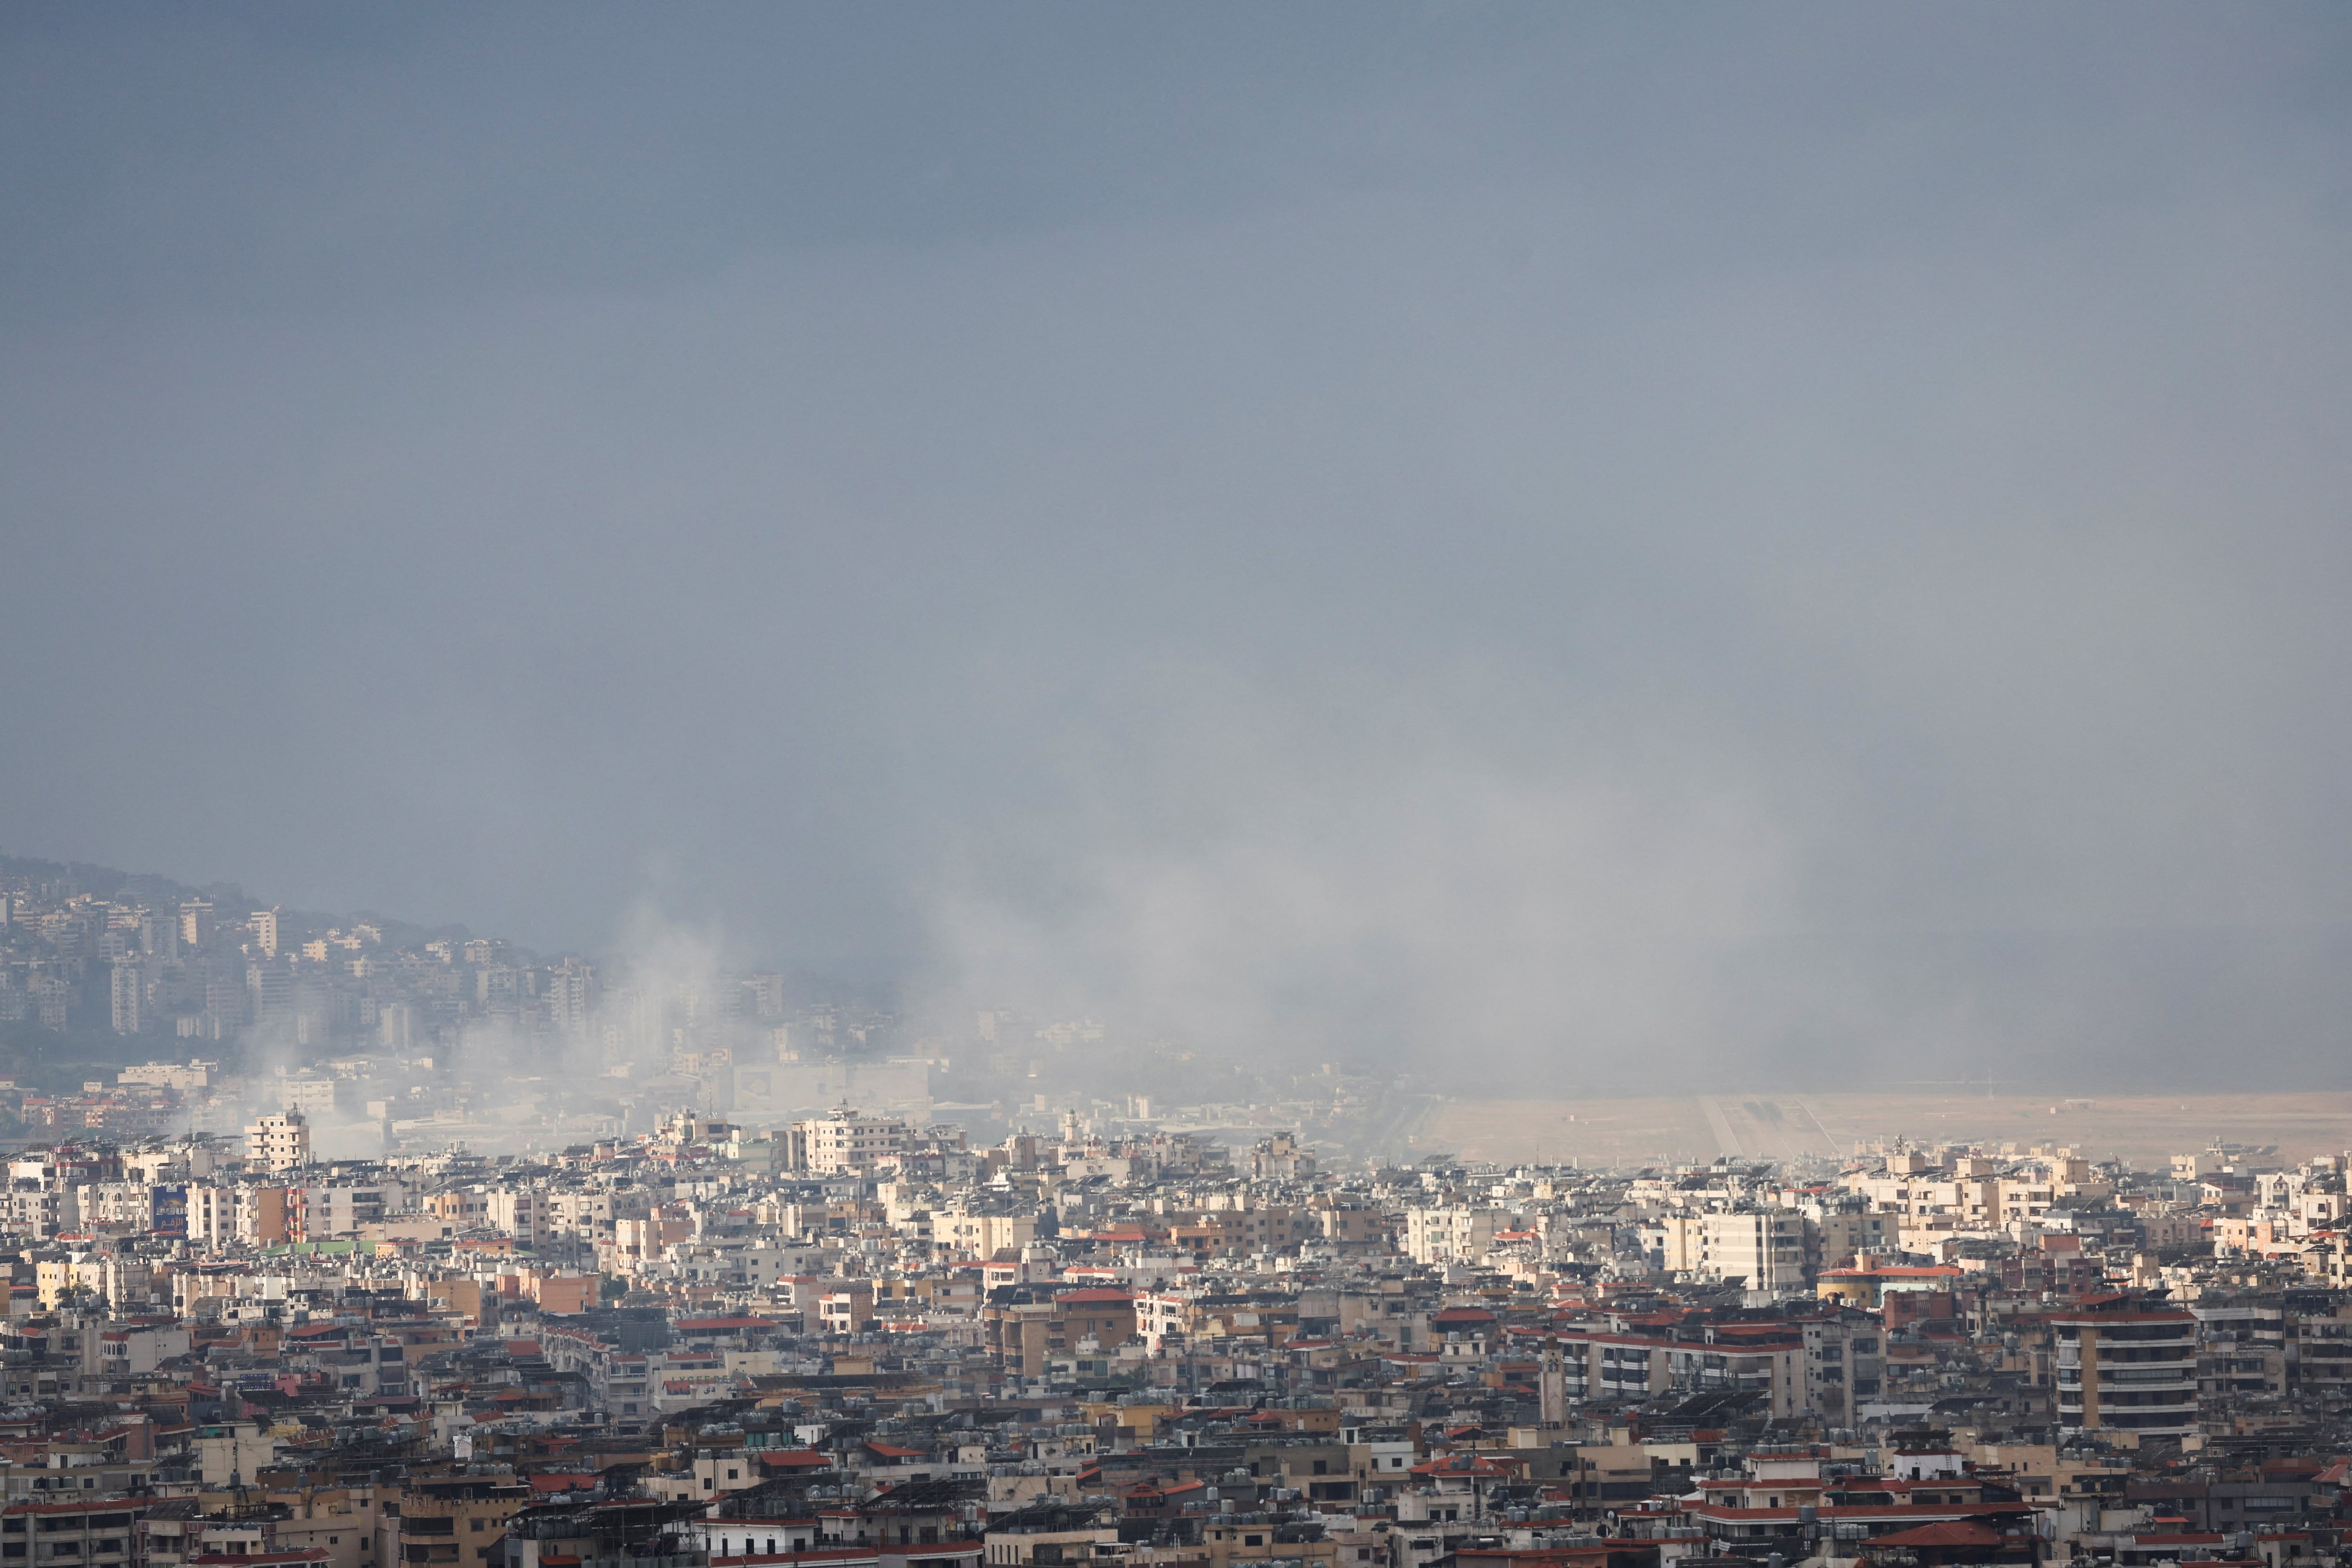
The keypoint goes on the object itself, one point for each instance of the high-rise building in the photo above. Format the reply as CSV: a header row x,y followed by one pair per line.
x,y
569,995
264,923
159,935
1844,1366
269,992
130,996
196,922
767,995
52,997
497,991
227,1003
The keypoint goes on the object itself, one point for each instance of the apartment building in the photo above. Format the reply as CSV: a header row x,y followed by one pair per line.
x,y
1763,1248
92,1533
961,1234
1026,1334
845,1142
1843,1367
279,1142
457,1519
2125,1366
1435,1237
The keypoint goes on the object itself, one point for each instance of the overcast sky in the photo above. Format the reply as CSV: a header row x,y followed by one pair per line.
x,y
1792,540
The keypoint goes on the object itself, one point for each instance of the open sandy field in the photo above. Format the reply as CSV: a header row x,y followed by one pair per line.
x,y
2142,1129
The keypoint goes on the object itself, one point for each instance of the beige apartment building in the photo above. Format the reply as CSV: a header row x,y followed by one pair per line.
x,y
1763,1248
845,1142
279,1142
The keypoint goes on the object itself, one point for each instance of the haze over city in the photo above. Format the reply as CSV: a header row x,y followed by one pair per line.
x,y
1571,539
1210,786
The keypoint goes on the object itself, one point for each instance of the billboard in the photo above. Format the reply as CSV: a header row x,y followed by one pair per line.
x,y
170,1213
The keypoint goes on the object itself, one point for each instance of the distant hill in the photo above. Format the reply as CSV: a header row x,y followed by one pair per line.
x,y
60,1059
229,899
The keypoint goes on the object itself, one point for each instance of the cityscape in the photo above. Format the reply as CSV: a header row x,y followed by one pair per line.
x,y
1042,784
389,1039
341,1274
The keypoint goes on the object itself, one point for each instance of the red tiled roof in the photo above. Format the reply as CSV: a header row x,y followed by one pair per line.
x,y
1950,1532
796,1459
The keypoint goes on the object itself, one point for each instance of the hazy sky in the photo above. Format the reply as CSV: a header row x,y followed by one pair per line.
x,y
1770,539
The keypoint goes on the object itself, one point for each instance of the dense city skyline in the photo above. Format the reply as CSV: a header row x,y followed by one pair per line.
x,y
1210,786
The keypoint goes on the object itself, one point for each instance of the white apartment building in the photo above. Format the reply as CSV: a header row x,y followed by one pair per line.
x,y
280,1143
521,1213
211,1215
846,1141
341,1209
587,1215
312,1095
169,1075
1763,1246
1451,1235
966,1235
